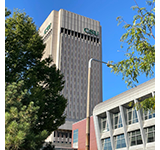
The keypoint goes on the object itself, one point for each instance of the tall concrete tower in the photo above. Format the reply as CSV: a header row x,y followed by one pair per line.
x,y
71,40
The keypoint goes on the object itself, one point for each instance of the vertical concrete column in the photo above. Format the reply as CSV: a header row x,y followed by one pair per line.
x,y
98,132
52,136
110,130
58,37
124,126
68,137
141,125
52,25
56,136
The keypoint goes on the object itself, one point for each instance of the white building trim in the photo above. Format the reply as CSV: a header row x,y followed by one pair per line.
x,y
110,129
124,126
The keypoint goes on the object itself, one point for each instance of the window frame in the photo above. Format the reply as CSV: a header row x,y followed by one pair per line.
x,y
119,138
148,114
104,128
119,123
134,116
149,132
134,135
75,136
106,141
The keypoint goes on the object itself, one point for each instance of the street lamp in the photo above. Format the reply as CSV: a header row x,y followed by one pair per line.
x,y
88,100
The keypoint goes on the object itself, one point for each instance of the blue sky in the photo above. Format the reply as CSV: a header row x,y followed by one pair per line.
x,y
104,11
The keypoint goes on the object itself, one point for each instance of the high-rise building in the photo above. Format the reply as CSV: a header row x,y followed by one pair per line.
x,y
71,40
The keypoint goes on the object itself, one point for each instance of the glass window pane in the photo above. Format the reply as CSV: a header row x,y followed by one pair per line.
x,y
123,143
150,134
120,122
109,147
139,140
133,133
133,142
135,116
150,116
116,120
153,128
120,141
153,114
146,117
107,127
129,115
118,144
75,136
150,137
107,144
150,129
138,132
104,124
145,113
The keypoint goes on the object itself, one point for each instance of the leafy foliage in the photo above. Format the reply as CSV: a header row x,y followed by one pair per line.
x,y
33,84
146,105
140,52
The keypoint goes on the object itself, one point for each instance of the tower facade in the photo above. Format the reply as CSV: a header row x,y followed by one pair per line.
x,y
71,40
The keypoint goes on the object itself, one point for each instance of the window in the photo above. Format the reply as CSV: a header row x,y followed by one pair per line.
x,y
69,32
75,136
135,138
70,135
106,144
120,141
79,35
131,116
62,134
72,33
104,125
148,114
117,121
57,134
65,31
61,30
150,134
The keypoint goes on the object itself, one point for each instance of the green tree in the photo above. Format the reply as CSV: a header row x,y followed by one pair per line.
x,y
40,85
20,119
140,51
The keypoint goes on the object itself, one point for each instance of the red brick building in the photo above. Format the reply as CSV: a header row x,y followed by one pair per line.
x,y
79,135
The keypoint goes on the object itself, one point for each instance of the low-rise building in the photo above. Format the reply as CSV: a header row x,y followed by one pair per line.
x,y
119,125
79,135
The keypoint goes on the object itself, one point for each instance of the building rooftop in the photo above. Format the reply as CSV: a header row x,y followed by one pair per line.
x,y
124,97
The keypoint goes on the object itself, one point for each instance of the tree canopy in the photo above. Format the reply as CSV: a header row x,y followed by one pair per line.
x,y
140,51
34,103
